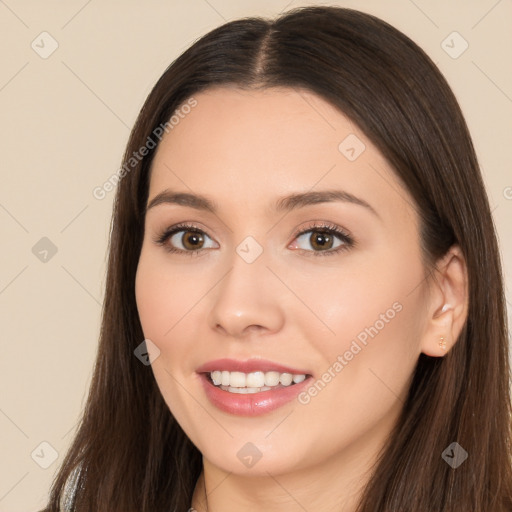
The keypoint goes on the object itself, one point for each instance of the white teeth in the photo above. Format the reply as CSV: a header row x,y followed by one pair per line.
x,y
253,382
286,379
271,378
245,391
237,379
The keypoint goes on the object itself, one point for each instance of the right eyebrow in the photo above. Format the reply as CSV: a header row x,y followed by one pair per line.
x,y
184,199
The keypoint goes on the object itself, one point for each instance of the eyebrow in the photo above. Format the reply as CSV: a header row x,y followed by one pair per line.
x,y
287,203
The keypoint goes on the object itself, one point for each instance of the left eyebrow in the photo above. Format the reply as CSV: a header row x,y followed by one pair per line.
x,y
286,203
293,201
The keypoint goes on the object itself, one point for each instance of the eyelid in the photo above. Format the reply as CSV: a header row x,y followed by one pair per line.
x,y
320,225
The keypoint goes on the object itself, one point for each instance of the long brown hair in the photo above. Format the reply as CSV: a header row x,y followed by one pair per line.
x,y
130,454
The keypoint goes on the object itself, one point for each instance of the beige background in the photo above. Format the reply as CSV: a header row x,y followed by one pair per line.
x,y
65,122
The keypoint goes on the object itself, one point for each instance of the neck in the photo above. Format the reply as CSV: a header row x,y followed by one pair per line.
x,y
335,484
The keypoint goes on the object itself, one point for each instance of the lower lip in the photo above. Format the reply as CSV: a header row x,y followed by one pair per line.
x,y
251,404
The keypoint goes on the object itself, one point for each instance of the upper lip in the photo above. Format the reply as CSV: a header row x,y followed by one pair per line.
x,y
248,366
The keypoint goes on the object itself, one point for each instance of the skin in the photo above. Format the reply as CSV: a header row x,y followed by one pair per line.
x,y
292,305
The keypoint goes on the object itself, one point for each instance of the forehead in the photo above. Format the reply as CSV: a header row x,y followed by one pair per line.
x,y
247,146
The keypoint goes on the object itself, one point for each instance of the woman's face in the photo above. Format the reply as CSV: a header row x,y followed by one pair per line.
x,y
292,242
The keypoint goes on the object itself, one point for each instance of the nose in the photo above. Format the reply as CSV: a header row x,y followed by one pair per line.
x,y
247,301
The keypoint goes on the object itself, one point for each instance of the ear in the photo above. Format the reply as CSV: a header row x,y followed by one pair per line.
x,y
447,306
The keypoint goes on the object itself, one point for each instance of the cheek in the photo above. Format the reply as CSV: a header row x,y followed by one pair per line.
x,y
161,303
347,299
162,297
374,312
366,366
169,307
151,299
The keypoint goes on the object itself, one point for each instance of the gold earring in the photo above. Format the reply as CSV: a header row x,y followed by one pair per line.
x,y
442,343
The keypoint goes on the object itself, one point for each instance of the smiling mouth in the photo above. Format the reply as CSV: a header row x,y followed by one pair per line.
x,y
254,382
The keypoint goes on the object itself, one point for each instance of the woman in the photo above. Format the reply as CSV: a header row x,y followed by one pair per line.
x,y
304,307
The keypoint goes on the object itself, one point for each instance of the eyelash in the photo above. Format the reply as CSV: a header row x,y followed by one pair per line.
x,y
330,229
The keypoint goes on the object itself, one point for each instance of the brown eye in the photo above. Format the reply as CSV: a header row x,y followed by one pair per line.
x,y
321,240
186,240
192,240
